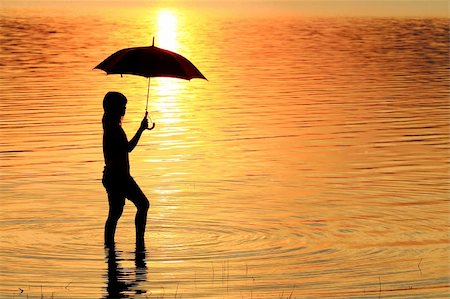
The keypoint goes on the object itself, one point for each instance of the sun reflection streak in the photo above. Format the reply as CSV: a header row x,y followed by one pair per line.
x,y
167,89
167,30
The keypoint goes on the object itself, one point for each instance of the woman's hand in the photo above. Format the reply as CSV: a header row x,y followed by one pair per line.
x,y
144,122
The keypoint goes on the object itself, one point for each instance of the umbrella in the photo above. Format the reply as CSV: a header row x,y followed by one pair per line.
x,y
150,62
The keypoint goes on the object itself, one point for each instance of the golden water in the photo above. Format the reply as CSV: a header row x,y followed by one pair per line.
x,y
313,162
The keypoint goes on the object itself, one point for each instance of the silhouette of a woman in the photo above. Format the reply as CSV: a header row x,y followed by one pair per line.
x,y
116,177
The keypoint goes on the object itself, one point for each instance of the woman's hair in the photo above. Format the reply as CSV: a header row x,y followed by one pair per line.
x,y
113,105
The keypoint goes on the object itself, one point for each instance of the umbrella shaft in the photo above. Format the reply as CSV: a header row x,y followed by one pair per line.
x,y
148,92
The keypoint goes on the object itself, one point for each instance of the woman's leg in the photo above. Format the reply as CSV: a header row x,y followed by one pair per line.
x,y
116,204
135,194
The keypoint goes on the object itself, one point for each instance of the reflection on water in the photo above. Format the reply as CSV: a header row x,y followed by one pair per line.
x,y
314,161
167,30
125,283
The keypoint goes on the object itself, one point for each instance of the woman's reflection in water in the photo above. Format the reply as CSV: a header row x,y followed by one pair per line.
x,y
125,283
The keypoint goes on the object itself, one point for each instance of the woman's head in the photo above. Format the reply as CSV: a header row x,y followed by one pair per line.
x,y
114,105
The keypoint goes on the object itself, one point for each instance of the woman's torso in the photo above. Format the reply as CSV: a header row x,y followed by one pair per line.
x,y
115,151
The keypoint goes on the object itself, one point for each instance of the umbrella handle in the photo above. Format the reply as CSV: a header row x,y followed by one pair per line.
x,y
153,126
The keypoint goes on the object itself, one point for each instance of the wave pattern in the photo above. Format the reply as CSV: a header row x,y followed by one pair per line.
x,y
313,163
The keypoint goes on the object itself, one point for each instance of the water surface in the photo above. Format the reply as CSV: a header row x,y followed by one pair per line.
x,y
313,163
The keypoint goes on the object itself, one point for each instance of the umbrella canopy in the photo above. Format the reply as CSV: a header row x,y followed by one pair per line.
x,y
150,62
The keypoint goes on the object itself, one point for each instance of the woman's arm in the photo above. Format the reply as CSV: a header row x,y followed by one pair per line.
x,y
134,141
